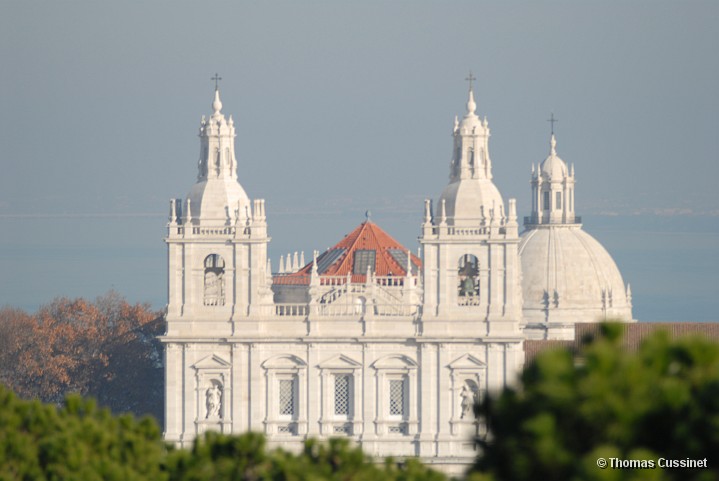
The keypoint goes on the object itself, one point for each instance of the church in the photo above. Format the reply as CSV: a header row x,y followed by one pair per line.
x,y
367,340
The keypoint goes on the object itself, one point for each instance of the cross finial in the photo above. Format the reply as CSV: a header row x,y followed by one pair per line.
x,y
216,78
552,120
470,79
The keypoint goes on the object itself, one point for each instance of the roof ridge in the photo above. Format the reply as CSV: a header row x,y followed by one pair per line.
x,y
366,236
351,248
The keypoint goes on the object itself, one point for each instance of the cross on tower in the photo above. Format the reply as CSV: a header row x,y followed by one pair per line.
x,y
216,78
470,79
552,120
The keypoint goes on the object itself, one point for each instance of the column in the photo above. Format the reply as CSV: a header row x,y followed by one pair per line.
x,y
240,383
314,391
428,397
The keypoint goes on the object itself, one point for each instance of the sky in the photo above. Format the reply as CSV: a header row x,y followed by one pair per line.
x,y
344,107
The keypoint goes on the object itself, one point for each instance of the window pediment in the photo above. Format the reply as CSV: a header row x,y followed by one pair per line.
x,y
286,361
211,362
395,362
467,361
339,361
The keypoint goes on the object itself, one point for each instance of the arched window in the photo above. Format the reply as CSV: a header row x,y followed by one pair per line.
x,y
468,280
214,280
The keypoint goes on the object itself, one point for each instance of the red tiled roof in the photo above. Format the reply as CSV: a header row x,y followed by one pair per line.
x,y
291,279
367,236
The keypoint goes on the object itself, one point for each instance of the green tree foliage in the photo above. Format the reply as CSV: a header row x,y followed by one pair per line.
x,y
80,442
604,402
106,349
219,457
76,442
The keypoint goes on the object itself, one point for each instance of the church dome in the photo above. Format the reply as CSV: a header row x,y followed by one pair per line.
x,y
467,199
215,201
568,277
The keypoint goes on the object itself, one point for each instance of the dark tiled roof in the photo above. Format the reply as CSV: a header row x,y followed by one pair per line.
x,y
634,334
533,348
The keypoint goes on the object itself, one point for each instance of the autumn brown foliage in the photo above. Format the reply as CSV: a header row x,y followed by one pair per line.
x,y
105,349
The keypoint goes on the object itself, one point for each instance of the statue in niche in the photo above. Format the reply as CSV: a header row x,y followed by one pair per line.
x,y
214,280
469,399
213,401
214,289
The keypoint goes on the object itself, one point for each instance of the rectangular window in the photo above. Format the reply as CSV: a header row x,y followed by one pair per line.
x,y
287,399
363,259
397,397
342,394
558,201
545,201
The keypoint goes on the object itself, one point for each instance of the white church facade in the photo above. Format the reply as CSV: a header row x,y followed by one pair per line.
x,y
367,340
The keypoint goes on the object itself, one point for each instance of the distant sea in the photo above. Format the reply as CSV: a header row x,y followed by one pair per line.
x,y
671,262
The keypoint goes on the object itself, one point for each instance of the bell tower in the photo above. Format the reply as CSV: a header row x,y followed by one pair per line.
x,y
217,242
219,287
469,243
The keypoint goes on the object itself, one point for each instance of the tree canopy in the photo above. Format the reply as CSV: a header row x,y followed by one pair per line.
x,y
106,349
76,442
233,458
81,442
570,409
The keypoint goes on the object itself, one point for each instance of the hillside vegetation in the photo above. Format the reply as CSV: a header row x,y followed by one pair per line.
x,y
569,411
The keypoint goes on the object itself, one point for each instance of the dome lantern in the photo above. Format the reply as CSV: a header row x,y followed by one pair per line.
x,y
567,276
552,191
470,193
217,197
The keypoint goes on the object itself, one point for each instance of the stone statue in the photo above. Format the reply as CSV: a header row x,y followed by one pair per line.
x,y
213,402
469,398
214,288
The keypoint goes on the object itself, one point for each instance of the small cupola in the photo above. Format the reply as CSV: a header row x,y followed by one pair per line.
x,y
471,198
552,190
217,198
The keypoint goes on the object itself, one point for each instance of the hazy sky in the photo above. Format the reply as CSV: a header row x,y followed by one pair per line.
x,y
340,107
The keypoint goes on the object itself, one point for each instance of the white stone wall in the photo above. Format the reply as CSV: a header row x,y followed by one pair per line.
x,y
248,372
418,353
